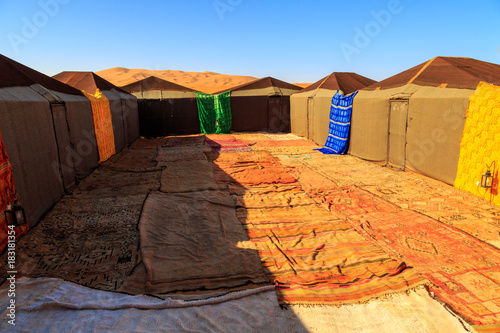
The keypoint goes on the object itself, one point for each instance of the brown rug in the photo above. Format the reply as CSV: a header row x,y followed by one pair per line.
x,y
188,177
193,243
92,242
144,143
134,160
181,154
185,140
109,183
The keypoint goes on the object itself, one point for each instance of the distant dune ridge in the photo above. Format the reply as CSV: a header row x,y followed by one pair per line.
x,y
208,82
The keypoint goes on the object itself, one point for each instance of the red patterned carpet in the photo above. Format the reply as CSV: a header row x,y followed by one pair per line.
x,y
465,272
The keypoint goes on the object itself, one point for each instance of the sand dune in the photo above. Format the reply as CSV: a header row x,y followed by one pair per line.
x,y
208,82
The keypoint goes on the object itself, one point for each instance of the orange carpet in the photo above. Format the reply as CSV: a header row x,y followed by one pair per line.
x,y
465,271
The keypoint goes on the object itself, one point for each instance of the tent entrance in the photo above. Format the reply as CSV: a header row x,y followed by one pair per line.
x,y
275,115
310,118
66,163
396,145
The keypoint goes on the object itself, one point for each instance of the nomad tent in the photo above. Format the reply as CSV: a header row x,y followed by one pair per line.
x,y
48,132
415,119
262,105
310,107
123,105
165,108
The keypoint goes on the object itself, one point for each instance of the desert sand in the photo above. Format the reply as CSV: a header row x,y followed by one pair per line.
x,y
208,82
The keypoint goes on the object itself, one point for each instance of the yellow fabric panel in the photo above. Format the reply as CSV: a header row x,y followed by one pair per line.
x,y
480,142
103,125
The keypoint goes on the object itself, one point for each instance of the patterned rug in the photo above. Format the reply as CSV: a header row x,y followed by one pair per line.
x,y
145,143
284,136
465,271
415,192
193,243
448,205
284,143
246,156
185,140
134,160
251,173
181,154
108,183
188,177
312,256
288,150
92,242
226,144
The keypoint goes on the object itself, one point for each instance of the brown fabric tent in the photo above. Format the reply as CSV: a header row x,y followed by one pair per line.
x,y
48,130
310,107
415,119
262,105
165,108
123,105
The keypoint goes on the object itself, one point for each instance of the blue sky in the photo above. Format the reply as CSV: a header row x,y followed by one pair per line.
x,y
296,41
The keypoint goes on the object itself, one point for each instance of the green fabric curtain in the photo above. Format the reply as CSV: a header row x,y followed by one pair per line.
x,y
214,112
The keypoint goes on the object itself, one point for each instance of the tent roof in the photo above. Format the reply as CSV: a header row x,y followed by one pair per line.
x,y
347,82
154,83
266,82
88,81
451,72
15,74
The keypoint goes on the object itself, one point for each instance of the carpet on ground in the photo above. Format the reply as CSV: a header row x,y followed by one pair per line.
x,y
193,243
145,143
283,136
226,144
246,156
315,258
185,140
263,172
188,177
181,154
465,272
109,183
57,305
447,205
90,241
134,160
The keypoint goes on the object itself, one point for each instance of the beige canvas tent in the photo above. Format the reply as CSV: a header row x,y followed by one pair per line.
x,y
262,105
165,108
123,105
48,131
415,119
310,107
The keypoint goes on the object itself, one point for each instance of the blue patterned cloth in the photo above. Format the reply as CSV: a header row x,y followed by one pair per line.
x,y
340,123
